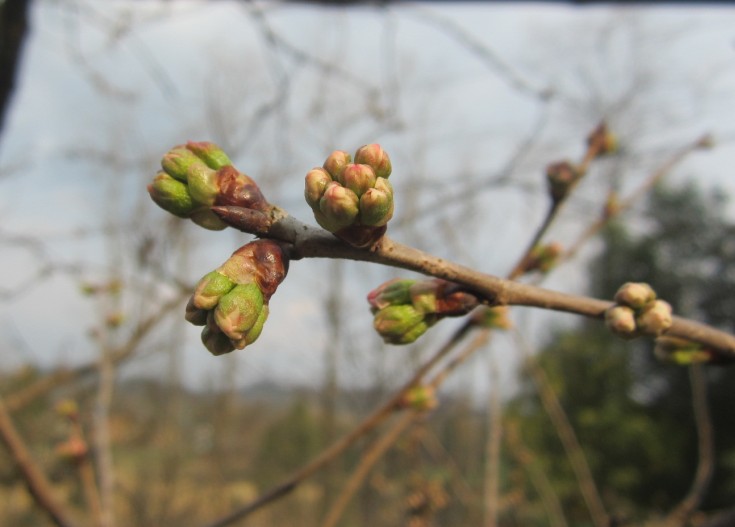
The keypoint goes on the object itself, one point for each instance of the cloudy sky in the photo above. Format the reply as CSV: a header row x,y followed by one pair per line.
x,y
471,100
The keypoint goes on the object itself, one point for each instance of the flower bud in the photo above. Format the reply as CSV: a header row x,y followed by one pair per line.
x,y
377,158
424,295
210,289
603,140
212,155
376,204
561,177
237,311
681,351
316,182
392,292
171,195
655,318
401,324
216,342
357,178
496,317
339,205
621,321
202,182
336,163
421,398
177,161
636,295
543,258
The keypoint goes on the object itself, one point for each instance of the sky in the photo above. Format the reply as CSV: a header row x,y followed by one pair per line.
x,y
451,90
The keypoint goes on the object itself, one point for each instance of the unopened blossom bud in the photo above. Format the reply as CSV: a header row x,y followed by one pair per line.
x,y
171,195
316,182
210,153
216,342
210,289
635,294
336,163
543,258
238,310
561,178
621,321
177,161
681,351
339,205
496,317
400,324
376,204
393,292
655,318
357,178
377,158
421,398
603,140
202,183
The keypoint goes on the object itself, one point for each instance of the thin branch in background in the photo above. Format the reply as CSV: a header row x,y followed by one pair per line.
x,y
35,479
539,481
706,446
572,448
492,446
612,212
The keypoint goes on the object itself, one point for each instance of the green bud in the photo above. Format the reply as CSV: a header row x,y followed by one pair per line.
x,y
421,398
621,321
217,343
357,178
214,157
423,295
210,289
655,318
393,292
681,351
176,162
171,195
400,324
636,295
377,158
496,317
339,205
336,163
316,182
238,311
376,205
252,335
203,184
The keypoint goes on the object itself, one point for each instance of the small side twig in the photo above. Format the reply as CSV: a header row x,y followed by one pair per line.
x,y
36,481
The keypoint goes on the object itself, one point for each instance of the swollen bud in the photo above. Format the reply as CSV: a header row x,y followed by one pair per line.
x,y
400,324
316,183
357,178
655,318
376,204
393,292
171,195
636,295
377,158
561,178
336,163
421,398
621,321
339,205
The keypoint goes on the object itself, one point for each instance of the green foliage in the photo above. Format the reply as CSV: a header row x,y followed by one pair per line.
x,y
632,414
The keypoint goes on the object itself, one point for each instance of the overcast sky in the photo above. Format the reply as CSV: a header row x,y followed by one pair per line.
x,y
449,89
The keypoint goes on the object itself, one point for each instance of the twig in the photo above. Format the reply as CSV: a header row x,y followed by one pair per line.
x,y
37,483
706,462
495,434
310,242
568,439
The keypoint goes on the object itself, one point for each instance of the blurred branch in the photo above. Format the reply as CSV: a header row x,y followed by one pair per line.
x,y
492,447
37,483
60,377
706,443
13,33
568,438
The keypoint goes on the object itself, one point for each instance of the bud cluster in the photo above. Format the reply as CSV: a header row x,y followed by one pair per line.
x,y
197,176
637,312
232,301
352,199
404,309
